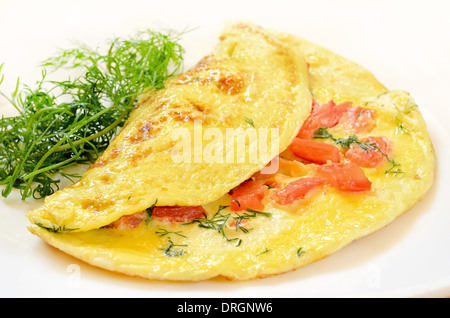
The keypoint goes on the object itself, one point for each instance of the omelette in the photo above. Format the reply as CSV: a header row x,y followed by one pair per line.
x,y
252,80
353,156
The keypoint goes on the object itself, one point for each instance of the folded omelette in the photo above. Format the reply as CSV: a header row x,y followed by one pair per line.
x,y
252,79
352,157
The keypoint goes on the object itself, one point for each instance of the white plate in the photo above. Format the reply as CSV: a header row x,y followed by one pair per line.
x,y
403,43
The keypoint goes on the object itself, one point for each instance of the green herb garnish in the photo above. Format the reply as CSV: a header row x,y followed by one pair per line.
x,y
300,251
245,216
393,171
398,120
171,249
249,121
163,232
63,123
174,249
323,133
266,250
253,213
55,228
219,222
149,211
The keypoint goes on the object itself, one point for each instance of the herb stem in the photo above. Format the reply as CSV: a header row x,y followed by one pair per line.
x,y
29,177
92,137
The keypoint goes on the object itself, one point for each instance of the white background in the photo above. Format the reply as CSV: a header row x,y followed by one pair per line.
x,y
406,44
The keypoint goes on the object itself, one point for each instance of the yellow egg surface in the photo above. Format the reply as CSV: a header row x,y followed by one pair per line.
x,y
283,237
252,80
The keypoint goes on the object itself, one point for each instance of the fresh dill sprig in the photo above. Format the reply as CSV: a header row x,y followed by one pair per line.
x,y
171,249
174,249
252,214
163,232
63,123
219,222
249,121
245,216
407,109
300,251
266,250
55,228
393,171
323,133
149,211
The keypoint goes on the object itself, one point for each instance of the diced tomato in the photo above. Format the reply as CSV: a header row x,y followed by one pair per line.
x,y
297,189
309,127
128,221
248,195
345,177
330,113
315,151
360,119
178,213
325,116
369,157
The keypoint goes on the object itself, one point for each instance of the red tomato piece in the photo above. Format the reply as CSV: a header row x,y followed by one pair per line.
x,y
315,151
248,195
330,113
297,190
309,127
369,157
325,116
128,221
360,119
345,177
178,213
318,109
